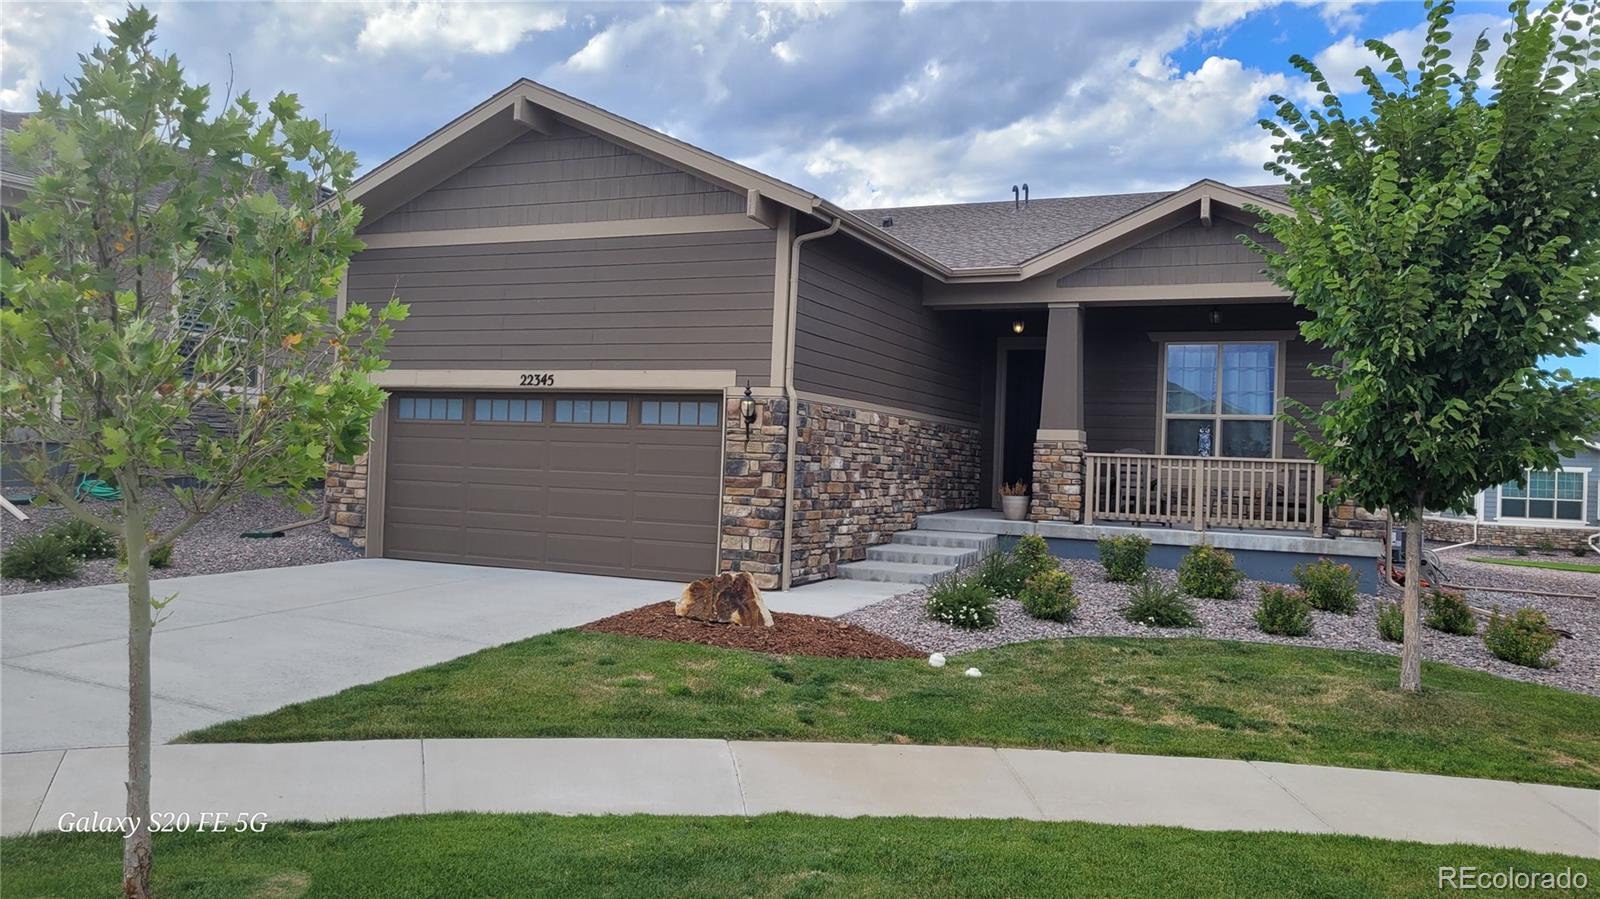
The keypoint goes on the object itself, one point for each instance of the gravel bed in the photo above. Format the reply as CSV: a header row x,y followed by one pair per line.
x,y
1577,660
1460,570
211,547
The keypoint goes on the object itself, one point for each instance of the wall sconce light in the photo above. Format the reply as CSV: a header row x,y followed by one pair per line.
x,y
1216,316
1016,326
747,409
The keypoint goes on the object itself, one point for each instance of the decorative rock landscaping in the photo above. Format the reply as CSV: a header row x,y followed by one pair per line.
x,y
1577,660
211,547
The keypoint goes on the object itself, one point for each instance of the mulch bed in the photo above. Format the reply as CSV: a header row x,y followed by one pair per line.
x,y
797,635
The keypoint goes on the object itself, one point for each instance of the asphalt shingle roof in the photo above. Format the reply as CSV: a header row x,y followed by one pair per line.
x,y
978,235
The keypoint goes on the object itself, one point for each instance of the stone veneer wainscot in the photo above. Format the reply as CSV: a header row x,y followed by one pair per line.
x,y
345,495
861,475
1057,481
752,490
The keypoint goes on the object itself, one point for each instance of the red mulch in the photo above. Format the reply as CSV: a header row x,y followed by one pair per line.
x,y
792,635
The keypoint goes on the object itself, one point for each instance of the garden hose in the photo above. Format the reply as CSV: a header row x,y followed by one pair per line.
x,y
97,489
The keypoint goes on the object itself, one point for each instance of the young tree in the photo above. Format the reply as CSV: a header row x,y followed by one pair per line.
x,y
167,263
1446,242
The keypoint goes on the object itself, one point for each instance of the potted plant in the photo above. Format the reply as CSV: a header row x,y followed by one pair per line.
x,y
1014,500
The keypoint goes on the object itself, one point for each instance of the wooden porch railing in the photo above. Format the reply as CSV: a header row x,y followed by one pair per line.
x,y
1202,492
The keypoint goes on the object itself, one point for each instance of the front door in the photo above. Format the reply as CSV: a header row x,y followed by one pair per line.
x,y
1021,383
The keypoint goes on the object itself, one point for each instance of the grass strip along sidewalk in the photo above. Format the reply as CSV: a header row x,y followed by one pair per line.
x,y
1185,697
465,856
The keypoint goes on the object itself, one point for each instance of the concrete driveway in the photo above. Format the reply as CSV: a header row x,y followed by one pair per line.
x,y
252,641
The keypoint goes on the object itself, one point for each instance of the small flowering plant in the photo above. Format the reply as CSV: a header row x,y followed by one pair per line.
x,y
962,602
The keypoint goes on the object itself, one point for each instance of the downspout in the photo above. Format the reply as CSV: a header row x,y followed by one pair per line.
x,y
792,302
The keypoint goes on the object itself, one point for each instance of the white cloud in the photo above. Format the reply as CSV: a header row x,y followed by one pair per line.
x,y
785,52
28,34
1340,15
435,26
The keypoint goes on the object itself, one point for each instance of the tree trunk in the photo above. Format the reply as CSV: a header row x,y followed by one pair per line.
x,y
136,847
1411,604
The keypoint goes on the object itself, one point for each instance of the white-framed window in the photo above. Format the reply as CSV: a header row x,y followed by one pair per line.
x,y
1559,496
1221,398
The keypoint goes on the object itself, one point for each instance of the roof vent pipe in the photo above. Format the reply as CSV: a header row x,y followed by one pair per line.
x,y
1024,193
1016,196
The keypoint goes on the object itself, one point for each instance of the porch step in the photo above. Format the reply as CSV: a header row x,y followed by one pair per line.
x,y
894,572
923,554
986,542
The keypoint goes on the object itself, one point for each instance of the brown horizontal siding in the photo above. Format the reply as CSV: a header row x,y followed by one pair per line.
x,y
1187,254
1121,368
861,332
570,176
682,301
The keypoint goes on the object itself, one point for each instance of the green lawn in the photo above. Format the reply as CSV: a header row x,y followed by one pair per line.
x,y
1169,697
1583,567
462,856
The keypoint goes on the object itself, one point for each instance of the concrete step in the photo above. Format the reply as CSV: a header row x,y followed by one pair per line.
x,y
924,555
985,542
894,572
965,523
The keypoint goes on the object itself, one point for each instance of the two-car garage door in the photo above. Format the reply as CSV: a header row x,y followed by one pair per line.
x,y
597,484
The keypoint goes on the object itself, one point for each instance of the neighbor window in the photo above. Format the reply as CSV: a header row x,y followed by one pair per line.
x,y
1549,496
596,412
1220,399
678,412
492,409
424,408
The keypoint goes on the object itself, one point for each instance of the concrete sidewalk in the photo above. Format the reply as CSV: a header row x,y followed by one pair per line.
x,y
252,641
328,781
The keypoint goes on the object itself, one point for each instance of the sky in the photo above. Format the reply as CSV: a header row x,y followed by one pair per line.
x,y
867,104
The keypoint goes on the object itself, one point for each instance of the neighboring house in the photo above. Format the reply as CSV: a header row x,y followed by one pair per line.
x,y
591,299
1558,509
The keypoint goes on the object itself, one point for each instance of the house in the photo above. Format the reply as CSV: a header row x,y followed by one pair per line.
x,y
596,308
1556,509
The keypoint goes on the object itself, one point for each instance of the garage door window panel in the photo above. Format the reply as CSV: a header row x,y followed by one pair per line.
x,y
682,413
504,409
422,408
591,412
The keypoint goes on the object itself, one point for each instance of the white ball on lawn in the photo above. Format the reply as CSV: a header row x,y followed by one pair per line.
x,y
936,660
973,672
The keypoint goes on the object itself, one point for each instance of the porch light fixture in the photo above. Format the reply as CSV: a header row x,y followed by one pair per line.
x,y
747,409
1016,326
1216,316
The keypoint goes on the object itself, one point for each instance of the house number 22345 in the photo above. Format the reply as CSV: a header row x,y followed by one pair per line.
x,y
538,379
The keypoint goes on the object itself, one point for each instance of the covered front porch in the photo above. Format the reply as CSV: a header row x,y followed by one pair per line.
x,y
1156,416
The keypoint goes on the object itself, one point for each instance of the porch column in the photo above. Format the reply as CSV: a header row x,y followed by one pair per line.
x,y
1059,446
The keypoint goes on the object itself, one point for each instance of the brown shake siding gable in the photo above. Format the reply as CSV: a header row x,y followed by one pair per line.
x,y
569,176
862,333
677,301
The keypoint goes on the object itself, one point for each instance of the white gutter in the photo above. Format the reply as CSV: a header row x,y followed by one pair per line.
x,y
791,301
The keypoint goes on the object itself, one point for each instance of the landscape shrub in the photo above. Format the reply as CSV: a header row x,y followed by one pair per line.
x,y
1049,595
1000,574
1284,612
1328,585
1447,611
962,602
1032,555
1522,638
1207,572
85,540
1392,622
1123,558
1154,604
39,557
